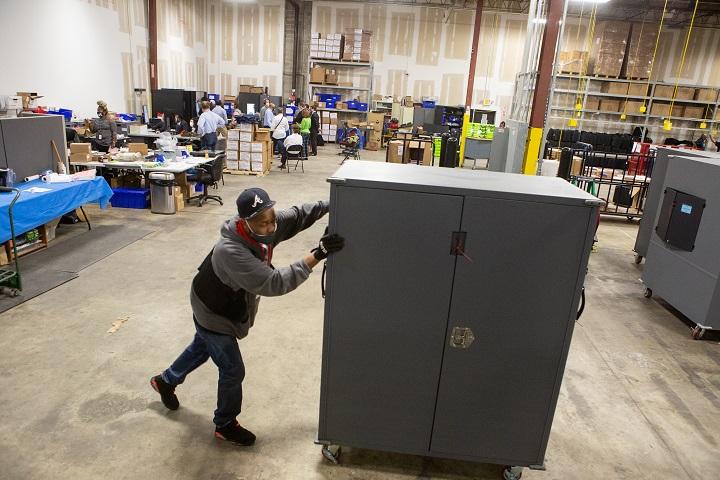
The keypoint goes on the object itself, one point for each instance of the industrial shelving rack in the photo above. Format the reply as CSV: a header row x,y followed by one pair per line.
x,y
367,91
592,119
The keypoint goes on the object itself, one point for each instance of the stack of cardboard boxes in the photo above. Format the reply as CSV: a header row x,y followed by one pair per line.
x,y
609,46
574,62
640,51
357,45
328,126
249,149
375,128
329,48
403,151
81,152
248,89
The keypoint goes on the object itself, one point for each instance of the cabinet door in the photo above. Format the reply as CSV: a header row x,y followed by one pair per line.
x,y
518,296
384,325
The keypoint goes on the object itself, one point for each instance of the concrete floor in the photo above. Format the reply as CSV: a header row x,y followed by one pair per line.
x,y
640,399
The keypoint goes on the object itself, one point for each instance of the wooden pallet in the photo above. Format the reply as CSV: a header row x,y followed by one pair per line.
x,y
637,78
609,77
247,172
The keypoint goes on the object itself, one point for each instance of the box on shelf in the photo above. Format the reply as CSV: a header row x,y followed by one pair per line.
x,y
609,47
691,112
609,105
633,107
331,77
345,84
317,75
244,88
666,91
685,93
637,89
620,88
257,89
574,61
640,51
661,109
80,148
706,94
592,103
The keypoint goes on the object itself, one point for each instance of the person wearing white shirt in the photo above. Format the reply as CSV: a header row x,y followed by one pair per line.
x,y
207,126
294,139
219,111
279,127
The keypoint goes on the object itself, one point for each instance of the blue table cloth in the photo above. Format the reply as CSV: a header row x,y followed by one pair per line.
x,y
35,209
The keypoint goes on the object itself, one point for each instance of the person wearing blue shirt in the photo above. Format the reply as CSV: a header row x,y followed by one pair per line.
x,y
207,126
269,115
219,110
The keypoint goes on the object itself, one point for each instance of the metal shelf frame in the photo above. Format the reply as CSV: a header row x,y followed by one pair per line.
x,y
312,88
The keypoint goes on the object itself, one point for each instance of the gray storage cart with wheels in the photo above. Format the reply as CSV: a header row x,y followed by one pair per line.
x,y
449,312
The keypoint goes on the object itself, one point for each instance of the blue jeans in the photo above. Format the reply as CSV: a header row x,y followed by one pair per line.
x,y
224,351
306,140
208,141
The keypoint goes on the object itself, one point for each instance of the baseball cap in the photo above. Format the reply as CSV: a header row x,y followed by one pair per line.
x,y
253,201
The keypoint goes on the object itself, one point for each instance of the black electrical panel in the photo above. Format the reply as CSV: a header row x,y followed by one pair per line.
x,y
679,220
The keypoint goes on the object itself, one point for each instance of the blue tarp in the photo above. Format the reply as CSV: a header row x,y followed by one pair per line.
x,y
35,209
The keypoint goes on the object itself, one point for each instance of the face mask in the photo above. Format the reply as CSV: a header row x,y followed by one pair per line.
x,y
265,239
100,114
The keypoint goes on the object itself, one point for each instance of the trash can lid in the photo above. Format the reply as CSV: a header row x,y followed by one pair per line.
x,y
161,176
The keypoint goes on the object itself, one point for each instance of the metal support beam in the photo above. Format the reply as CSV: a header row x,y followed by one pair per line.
x,y
542,85
471,78
296,47
152,44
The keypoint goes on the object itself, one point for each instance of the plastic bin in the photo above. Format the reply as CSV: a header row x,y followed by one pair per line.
x,y
330,104
352,105
362,107
130,198
428,103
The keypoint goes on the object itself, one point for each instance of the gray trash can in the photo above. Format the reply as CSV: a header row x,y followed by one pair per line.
x,y
162,197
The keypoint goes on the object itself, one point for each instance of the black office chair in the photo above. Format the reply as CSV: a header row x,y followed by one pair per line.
x,y
295,152
208,174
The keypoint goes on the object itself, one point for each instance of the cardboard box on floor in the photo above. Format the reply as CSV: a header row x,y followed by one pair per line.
x,y
179,198
395,150
418,150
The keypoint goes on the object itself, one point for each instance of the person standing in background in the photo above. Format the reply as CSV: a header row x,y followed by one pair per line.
x,y
219,111
263,112
314,129
207,126
305,124
279,127
104,129
269,114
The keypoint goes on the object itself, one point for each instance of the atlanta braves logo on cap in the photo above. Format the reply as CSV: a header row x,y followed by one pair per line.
x,y
257,200
253,201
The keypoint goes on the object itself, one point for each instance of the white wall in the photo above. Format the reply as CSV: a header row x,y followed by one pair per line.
x,y
74,52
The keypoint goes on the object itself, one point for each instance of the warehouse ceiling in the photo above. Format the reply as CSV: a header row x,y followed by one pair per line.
x,y
679,12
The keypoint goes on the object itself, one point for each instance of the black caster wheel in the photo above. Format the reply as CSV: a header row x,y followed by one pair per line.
x,y
648,293
630,218
698,333
638,259
512,473
330,456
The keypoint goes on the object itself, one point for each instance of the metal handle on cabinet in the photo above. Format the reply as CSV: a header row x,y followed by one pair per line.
x,y
461,337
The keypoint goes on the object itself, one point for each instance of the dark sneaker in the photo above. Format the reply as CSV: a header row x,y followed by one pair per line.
x,y
166,391
236,434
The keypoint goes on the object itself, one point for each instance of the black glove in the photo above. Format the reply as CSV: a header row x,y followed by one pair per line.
x,y
329,243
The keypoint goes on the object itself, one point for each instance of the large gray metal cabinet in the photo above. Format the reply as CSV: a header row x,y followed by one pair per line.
x,y
684,268
450,310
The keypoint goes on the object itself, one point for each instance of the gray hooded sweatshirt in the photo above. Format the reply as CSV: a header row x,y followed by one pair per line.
x,y
239,265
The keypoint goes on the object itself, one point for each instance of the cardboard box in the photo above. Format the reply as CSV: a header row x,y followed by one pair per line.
x,y
633,107
245,136
591,103
244,88
244,165
660,108
325,120
317,75
232,155
666,91
619,88
706,95
692,112
233,134
418,152
372,145
331,77
395,150
80,148
345,84
685,93
246,127
179,198
262,135
245,146
141,148
232,145
574,61
244,156
408,102
637,89
607,105
231,164
257,147
81,157
257,90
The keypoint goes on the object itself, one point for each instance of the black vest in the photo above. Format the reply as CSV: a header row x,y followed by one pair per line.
x,y
218,297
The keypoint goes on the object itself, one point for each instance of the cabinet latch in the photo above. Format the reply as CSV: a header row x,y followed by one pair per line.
x,y
457,244
461,337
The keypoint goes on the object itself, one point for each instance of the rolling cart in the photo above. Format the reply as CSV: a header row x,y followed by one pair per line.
x,y
10,283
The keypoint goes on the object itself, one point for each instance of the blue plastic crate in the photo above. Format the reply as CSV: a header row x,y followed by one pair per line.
x,y
330,104
352,105
214,97
428,103
362,107
130,198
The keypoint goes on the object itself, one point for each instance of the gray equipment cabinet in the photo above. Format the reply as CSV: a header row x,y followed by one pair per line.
x,y
682,265
449,312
